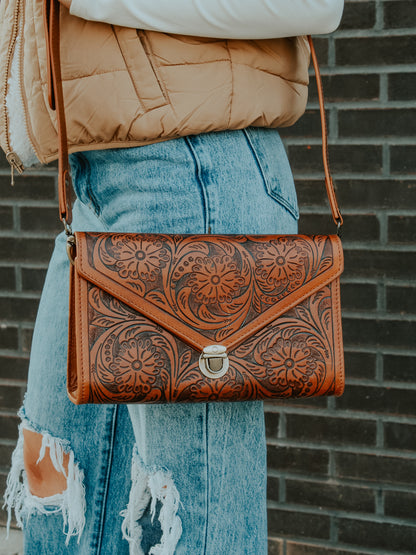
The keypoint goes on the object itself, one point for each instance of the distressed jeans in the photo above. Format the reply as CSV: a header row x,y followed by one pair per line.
x,y
160,479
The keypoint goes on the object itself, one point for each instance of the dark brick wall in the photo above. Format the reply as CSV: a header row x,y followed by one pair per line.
x,y
342,472
28,224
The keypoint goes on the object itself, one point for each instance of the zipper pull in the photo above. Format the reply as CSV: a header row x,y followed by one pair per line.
x,y
15,164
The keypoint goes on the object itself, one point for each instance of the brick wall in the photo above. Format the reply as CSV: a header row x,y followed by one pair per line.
x,y
28,224
342,472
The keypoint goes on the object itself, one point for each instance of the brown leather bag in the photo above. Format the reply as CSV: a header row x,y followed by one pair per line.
x,y
172,318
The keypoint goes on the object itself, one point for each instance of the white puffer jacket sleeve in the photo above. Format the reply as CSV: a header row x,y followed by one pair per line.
x,y
234,19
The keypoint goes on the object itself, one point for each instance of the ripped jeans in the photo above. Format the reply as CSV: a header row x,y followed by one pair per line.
x,y
160,479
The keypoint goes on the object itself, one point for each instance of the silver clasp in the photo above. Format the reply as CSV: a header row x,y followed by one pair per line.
x,y
213,361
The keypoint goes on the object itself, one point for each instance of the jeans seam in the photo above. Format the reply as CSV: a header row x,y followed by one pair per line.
x,y
88,189
207,489
114,410
92,203
279,198
198,175
100,219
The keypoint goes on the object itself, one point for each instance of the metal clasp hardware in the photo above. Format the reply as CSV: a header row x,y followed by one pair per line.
x,y
339,230
213,361
70,248
67,227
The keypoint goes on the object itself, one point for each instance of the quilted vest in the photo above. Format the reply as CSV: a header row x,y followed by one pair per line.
x,y
128,87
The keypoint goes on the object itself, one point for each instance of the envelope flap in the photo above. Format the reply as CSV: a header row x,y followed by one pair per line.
x,y
211,289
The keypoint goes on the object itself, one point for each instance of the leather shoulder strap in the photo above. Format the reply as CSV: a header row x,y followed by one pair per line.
x,y
51,15
336,214
51,18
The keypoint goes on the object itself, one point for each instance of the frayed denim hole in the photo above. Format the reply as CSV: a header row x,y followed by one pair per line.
x,y
152,529
152,489
71,503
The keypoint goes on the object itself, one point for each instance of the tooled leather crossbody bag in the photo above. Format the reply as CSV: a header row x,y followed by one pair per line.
x,y
157,318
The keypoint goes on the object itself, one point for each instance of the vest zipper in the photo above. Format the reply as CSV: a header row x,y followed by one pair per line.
x,y
12,157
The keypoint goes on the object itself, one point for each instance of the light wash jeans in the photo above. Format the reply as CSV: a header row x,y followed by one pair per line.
x,y
186,479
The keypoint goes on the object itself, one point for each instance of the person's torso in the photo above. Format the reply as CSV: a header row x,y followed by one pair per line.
x,y
127,87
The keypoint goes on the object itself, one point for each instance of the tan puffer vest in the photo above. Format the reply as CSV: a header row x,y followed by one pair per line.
x,y
126,87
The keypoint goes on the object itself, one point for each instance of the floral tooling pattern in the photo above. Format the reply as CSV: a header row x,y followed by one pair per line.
x,y
216,288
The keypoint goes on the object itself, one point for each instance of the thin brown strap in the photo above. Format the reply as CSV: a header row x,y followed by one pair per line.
x,y
51,14
56,101
336,214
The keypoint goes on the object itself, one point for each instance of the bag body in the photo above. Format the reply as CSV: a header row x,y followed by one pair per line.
x,y
221,296
172,318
